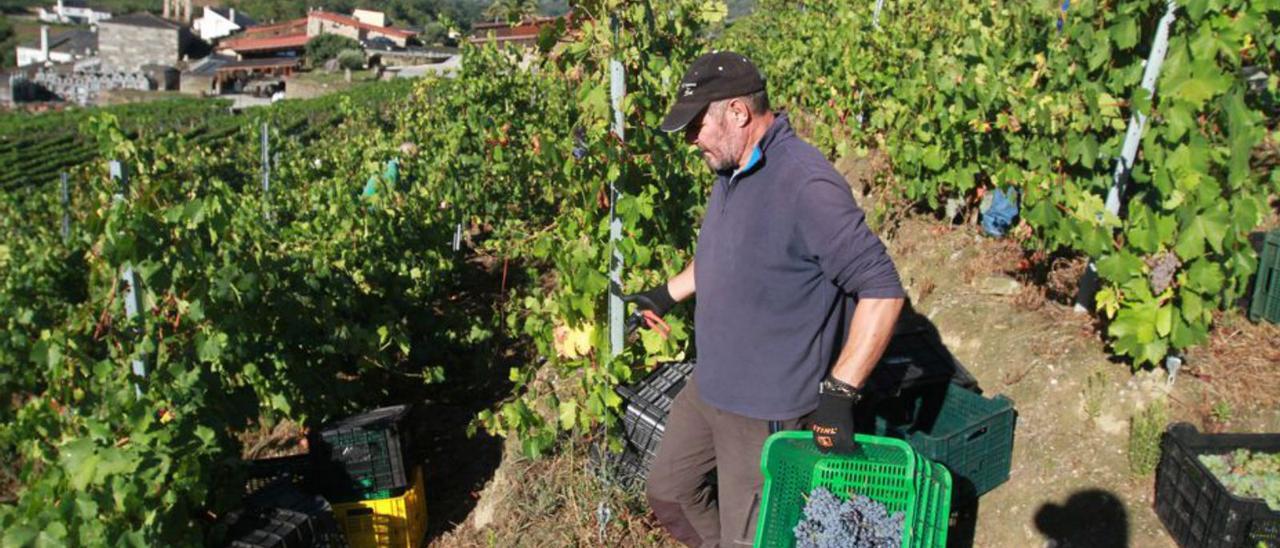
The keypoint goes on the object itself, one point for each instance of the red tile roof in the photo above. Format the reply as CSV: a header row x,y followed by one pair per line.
x,y
279,29
243,45
353,22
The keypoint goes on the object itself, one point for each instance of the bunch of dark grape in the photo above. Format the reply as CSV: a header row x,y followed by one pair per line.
x,y
579,143
858,522
1163,267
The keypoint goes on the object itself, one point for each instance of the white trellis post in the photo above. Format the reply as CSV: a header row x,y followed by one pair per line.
x,y
65,198
617,90
1088,287
127,276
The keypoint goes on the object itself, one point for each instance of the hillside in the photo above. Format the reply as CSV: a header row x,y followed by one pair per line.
x,y
447,242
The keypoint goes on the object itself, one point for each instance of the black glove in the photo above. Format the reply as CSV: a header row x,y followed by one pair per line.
x,y
833,424
657,300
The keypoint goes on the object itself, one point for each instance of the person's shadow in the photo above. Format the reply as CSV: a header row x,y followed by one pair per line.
x,y
1094,518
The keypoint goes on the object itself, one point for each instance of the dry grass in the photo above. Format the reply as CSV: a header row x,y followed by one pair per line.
x,y
281,439
556,502
1240,364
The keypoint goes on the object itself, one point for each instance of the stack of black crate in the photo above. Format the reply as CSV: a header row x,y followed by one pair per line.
x,y
914,364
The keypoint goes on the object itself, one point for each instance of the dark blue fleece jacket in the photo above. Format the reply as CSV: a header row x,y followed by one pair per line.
x,y
783,255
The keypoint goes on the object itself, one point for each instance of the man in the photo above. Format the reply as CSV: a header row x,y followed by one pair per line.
x,y
783,257
390,175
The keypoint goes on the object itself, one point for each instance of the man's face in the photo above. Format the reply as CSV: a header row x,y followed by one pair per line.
x,y
715,137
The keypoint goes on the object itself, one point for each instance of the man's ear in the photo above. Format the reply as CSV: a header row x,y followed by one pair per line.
x,y
739,113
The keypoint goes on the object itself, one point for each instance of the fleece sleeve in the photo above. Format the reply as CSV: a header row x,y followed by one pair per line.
x,y
835,231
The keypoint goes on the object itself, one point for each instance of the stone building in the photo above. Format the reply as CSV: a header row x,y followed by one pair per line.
x,y
128,42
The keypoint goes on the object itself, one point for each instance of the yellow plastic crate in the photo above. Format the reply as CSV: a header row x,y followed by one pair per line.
x,y
392,522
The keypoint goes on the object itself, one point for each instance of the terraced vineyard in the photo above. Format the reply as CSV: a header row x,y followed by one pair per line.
x,y
36,148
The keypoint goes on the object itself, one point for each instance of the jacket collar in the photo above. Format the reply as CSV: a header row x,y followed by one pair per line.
x,y
778,131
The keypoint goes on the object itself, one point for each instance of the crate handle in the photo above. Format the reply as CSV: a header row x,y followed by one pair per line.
x,y
977,433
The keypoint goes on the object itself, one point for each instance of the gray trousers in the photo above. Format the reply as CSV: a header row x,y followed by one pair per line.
x,y
699,438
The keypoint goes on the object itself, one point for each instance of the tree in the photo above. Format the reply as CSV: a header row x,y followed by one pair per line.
x,y
351,59
512,11
327,46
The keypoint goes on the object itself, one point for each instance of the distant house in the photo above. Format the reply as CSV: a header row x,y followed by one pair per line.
x,y
323,22
525,33
65,47
216,23
290,38
75,12
131,41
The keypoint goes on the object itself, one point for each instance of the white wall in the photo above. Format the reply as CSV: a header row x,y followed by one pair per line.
x,y
32,56
370,17
211,25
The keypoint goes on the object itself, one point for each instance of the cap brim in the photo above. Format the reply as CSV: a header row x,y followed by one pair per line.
x,y
680,115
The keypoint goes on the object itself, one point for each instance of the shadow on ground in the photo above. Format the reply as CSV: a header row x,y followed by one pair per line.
x,y
1093,518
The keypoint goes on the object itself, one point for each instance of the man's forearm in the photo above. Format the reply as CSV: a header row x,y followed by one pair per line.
x,y
869,334
681,285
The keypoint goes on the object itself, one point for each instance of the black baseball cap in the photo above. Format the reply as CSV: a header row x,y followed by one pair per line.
x,y
712,77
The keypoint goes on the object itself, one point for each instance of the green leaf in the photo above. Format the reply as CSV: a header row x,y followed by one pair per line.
x,y
1196,91
80,459
1208,226
1205,277
1125,33
1084,151
1164,320
934,158
209,348
568,414
19,535
1188,334
1118,267
1192,306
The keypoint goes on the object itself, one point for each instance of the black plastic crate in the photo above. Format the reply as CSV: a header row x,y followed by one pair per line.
x,y
1195,507
364,456
649,401
915,358
913,361
280,515
295,470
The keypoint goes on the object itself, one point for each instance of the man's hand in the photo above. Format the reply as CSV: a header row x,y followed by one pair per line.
x,y
653,304
833,424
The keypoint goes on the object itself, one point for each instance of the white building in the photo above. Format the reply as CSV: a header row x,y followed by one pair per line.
x,y
72,12
65,47
216,23
370,17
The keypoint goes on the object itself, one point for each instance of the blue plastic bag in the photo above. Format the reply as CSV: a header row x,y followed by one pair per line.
x,y
999,211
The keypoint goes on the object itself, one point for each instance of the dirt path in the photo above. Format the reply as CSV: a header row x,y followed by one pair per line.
x,y
1070,483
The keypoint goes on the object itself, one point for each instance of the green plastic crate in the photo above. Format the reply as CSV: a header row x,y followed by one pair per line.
x,y
1266,288
886,470
934,513
969,434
